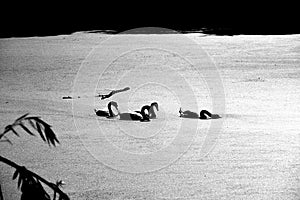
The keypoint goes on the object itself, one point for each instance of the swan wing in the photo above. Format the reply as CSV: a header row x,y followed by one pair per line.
x,y
134,113
189,114
130,116
102,113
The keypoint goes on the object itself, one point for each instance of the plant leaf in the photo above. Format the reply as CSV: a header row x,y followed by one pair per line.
x,y
15,132
32,124
39,129
22,117
33,117
50,135
15,174
41,121
26,129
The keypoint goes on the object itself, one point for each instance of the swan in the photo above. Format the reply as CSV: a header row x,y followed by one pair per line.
x,y
151,111
134,116
187,114
204,114
152,114
107,113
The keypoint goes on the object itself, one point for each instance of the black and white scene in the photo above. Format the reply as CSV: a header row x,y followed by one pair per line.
x,y
116,107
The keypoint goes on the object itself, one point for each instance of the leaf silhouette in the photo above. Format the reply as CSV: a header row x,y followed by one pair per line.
x,y
15,132
15,174
22,117
50,135
43,128
26,129
31,122
28,182
9,128
39,129
37,119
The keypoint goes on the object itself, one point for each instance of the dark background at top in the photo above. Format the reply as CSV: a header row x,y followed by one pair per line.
x,y
54,18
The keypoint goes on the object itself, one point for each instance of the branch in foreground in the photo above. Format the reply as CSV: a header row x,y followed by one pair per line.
x,y
30,181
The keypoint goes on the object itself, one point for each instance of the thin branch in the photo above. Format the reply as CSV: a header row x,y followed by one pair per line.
x,y
53,186
105,96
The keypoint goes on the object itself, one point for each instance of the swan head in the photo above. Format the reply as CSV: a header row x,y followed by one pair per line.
x,y
113,103
155,104
180,112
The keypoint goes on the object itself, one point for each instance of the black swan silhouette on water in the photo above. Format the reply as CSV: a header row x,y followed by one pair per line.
x,y
152,114
135,116
107,113
131,116
204,114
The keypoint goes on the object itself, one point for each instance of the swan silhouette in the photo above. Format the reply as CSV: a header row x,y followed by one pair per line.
x,y
152,114
204,114
107,113
134,116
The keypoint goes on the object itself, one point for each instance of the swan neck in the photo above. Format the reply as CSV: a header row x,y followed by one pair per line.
x,y
111,113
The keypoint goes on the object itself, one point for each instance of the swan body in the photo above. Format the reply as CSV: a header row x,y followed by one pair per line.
x,y
152,114
135,116
204,114
107,113
188,114
130,116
